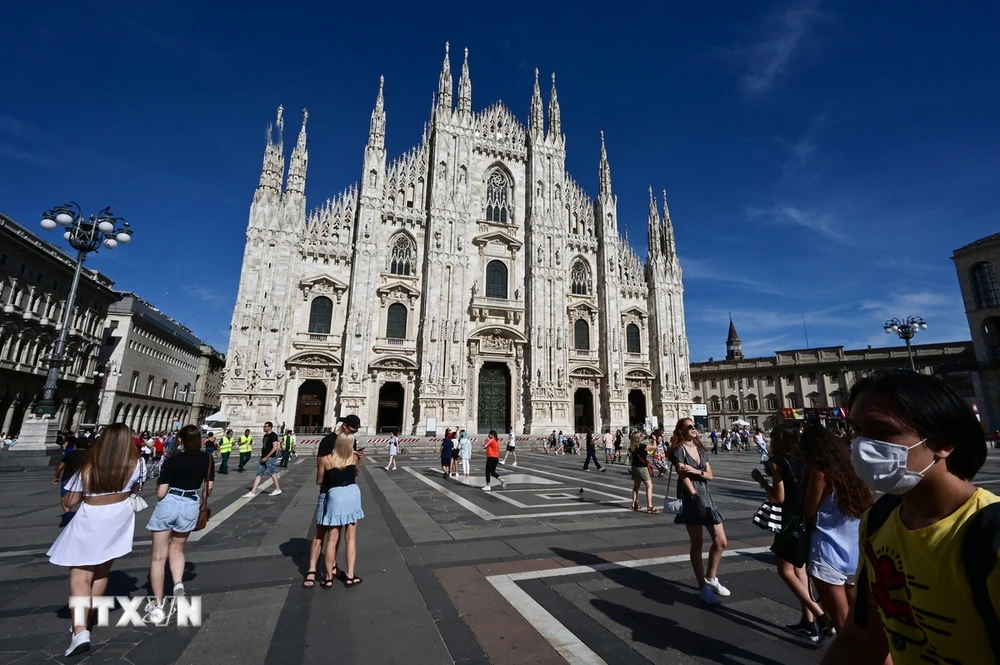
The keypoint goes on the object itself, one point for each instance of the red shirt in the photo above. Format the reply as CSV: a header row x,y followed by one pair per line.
x,y
158,445
492,447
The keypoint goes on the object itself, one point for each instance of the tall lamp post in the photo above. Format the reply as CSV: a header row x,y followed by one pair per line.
x,y
85,235
111,369
906,330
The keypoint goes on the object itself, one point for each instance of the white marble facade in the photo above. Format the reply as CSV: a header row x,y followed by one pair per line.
x,y
470,281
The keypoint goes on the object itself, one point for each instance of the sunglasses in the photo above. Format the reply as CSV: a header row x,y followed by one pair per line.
x,y
691,427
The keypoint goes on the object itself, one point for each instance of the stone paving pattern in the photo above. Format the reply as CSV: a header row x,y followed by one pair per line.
x,y
430,551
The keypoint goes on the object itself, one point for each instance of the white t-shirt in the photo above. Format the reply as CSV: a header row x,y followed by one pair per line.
x,y
510,440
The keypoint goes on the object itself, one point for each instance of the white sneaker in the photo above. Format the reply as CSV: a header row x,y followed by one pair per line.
x,y
487,488
515,463
708,596
249,495
179,589
503,484
717,587
155,614
502,462
274,493
79,643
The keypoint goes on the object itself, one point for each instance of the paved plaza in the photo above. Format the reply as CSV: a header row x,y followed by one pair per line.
x,y
553,569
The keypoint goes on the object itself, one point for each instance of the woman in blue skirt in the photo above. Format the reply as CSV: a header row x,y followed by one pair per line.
x,y
338,510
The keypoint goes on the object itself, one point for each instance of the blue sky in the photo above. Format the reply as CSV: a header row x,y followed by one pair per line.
x,y
821,158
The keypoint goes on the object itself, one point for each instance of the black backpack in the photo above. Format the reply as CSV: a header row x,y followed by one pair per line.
x,y
980,547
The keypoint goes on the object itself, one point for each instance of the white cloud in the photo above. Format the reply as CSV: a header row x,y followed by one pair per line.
x,y
822,223
782,37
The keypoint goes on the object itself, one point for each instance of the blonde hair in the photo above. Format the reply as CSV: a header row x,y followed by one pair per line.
x,y
110,462
343,451
634,441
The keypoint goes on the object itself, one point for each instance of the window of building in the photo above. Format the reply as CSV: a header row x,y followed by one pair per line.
x,y
713,383
753,422
984,286
770,403
402,255
163,388
789,378
320,316
792,401
837,398
812,377
632,341
580,279
395,327
174,396
581,335
696,384
134,386
715,423
751,403
731,383
732,403
149,384
715,403
496,279
498,198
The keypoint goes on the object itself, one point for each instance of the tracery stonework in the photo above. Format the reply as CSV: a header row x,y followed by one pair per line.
x,y
473,250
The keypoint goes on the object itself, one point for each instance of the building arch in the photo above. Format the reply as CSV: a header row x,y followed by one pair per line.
x,y
581,282
402,259
633,341
792,401
581,335
320,315
395,321
499,201
497,279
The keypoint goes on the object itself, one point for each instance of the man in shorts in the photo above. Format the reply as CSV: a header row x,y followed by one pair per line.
x,y
609,448
511,447
268,463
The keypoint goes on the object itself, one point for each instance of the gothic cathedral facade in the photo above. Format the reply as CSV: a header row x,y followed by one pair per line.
x,y
471,282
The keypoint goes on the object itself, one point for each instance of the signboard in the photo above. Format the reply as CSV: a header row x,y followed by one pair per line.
x,y
432,425
652,422
699,414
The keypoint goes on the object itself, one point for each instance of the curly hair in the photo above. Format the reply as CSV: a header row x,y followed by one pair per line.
x,y
785,439
824,452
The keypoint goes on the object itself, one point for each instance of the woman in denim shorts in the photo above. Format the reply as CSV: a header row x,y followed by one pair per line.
x,y
176,513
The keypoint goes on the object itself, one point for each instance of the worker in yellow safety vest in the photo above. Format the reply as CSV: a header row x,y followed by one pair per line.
x,y
225,449
287,448
246,449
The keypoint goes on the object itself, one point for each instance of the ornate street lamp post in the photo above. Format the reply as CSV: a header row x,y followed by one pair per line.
x,y
906,330
111,369
85,235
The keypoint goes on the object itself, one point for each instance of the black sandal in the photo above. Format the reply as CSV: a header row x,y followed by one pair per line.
x,y
309,583
338,574
327,582
352,581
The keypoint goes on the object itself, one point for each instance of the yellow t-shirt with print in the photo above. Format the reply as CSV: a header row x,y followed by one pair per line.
x,y
919,585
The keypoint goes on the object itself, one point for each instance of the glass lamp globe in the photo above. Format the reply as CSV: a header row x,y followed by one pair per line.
x,y
124,238
923,325
895,328
64,218
887,330
49,224
110,243
106,227
67,235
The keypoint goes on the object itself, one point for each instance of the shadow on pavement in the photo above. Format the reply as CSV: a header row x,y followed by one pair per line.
x,y
661,632
297,549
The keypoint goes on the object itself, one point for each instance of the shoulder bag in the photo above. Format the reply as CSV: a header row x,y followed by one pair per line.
x,y
672,506
204,512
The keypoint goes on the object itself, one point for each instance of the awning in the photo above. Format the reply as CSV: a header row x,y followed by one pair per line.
x,y
218,417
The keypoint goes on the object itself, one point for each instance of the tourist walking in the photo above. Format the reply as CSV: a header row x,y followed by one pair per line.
x,y
609,448
492,448
660,463
454,455
338,511
447,448
698,511
209,443
835,499
511,447
225,450
591,452
287,448
640,471
561,447
791,544
619,436
176,513
464,451
714,436
246,450
930,541
103,527
68,466
393,450
267,465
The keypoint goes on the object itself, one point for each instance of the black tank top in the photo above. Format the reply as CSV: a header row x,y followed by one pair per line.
x,y
338,478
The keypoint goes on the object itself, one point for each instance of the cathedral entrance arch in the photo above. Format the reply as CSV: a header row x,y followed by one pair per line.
x,y
636,408
391,401
494,398
310,407
583,409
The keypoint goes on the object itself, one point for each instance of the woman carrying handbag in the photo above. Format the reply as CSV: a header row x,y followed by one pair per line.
x,y
180,511
641,470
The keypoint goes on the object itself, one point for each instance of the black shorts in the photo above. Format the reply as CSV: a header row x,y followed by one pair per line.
x,y
510,448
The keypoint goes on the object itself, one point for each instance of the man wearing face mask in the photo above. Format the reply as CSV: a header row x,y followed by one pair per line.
x,y
928,588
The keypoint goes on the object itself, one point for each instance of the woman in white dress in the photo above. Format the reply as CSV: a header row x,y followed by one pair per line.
x,y
104,525
465,452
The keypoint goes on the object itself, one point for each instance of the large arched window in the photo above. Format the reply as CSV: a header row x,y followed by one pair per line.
x,y
320,316
581,334
498,198
751,403
792,401
732,403
715,403
580,279
496,279
395,326
632,342
402,255
984,286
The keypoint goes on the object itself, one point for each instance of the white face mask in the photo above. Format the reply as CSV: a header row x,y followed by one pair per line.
x,y
882,465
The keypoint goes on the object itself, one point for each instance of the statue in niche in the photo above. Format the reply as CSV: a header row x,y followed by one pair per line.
x,y
517,293
372,178
461,176
539,377
354,369
684,381
460,243
560,375
442,170
454,372
541,255
617,381
430,371
558,258
475,288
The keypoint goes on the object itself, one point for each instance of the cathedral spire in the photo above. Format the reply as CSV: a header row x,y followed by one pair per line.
x,y
465,87
605,173
555,122
444,82
734,347
272,171
670,248
300,161
537,125
653,225
376,131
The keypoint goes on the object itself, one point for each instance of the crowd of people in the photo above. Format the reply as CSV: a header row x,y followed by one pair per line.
x,y
930,542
